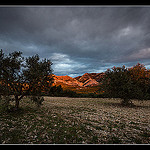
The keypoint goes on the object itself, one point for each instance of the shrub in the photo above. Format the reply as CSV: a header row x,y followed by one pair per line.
x,y
37,99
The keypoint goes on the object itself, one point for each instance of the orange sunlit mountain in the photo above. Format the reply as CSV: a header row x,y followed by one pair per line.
x,y
85,83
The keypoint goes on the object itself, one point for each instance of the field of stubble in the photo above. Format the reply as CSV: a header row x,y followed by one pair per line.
x,y
63,120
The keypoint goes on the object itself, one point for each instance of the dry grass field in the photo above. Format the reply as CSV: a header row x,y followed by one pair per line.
x,y
63,120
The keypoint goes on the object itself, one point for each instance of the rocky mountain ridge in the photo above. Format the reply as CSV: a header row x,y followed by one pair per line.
x,y
88,79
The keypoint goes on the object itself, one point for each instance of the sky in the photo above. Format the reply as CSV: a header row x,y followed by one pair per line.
x,y
78,39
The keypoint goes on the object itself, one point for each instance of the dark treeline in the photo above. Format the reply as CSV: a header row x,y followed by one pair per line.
x,y
57,91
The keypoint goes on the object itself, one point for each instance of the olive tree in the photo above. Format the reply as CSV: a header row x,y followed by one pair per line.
x,y
127,83
21,76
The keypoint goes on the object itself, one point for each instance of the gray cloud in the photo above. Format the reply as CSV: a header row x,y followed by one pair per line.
x,y
78,39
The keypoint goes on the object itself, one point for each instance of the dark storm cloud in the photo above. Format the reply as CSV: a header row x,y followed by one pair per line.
x,y
78,39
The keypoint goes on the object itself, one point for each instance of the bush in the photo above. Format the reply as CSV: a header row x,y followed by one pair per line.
x,y
37,99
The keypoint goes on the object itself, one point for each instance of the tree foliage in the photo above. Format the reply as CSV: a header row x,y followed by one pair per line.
x,y
127,83
21,77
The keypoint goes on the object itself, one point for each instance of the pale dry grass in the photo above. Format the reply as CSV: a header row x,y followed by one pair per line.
x,y
77,121
108,120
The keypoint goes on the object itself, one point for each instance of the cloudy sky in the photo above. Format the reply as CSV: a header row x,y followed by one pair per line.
x,y
78,39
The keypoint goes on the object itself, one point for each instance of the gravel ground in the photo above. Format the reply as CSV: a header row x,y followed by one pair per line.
x,y
106,118
77,121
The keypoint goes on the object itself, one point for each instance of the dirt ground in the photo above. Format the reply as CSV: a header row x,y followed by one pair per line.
x,y
106,118
63,120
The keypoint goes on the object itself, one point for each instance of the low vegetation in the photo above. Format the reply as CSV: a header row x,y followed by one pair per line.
x,y
65,120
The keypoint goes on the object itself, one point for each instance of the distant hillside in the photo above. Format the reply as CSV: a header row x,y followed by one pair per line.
x,y
84,83
90,79
61,80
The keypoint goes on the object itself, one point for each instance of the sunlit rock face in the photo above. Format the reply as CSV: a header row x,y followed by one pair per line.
x,y
88,79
